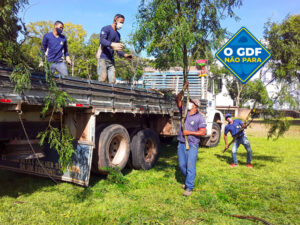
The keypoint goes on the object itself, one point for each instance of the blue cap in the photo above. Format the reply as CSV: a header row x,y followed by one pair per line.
x,y
227,115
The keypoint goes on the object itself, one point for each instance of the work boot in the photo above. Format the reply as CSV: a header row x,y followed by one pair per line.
x,y
233,165
250,165
187,192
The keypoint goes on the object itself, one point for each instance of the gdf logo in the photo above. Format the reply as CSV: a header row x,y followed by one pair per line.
x,y
243,55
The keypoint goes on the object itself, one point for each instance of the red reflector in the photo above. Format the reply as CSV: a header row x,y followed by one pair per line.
x,y
142,109
5,100
79,105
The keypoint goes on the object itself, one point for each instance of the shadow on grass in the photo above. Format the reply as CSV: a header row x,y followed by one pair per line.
x,y
15,184
256,159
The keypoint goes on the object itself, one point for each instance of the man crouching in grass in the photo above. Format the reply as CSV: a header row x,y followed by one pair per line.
x,y
195,127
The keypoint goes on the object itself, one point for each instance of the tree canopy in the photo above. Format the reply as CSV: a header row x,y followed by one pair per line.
x,y
284,43
176,32
11,27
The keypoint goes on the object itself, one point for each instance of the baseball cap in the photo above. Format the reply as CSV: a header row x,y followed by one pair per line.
x,y
196,102
227,115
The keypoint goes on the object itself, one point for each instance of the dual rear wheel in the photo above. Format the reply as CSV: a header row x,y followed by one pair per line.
x,y
114,148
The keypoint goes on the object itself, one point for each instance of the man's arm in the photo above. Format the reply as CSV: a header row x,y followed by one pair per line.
x,y
226,141
103,38
200,132
106,43
179,96
67,53
44,45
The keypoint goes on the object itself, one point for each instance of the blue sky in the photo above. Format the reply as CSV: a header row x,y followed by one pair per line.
x,y
94,14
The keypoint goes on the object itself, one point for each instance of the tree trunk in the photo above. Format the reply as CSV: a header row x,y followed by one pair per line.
x,y
184,107
238,94
73,65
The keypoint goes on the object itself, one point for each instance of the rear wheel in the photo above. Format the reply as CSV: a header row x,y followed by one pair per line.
x,y
145,149
113,147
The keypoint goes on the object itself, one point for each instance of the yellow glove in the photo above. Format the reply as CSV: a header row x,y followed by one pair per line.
x,y
117,46
68,60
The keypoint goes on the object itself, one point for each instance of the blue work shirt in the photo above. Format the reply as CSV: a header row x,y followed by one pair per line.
x,y
234,128
57,47
192,123
107,36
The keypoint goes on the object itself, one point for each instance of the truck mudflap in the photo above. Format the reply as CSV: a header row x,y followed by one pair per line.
x,y
78,173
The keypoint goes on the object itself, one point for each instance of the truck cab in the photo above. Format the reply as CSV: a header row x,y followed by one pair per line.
x,y
201,87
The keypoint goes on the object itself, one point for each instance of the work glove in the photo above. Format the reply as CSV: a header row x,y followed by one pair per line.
x,y
117,46
41,64
68,60
128,56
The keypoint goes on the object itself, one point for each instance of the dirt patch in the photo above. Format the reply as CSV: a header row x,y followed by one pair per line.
x,y
261,129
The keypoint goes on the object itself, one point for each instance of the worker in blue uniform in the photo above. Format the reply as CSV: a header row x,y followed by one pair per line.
x,y
54,45
110,42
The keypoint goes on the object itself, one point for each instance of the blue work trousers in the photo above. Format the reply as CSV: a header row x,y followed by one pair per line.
x,y
187,163
244,141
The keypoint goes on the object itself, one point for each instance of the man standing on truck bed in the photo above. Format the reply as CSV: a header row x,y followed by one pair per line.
x,y
110,42
195,127
234,127
54,44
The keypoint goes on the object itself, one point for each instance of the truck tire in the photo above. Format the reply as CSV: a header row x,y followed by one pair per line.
x,y
145,148
113,147
214,139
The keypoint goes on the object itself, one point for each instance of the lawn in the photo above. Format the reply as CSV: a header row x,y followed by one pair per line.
x,y
269,191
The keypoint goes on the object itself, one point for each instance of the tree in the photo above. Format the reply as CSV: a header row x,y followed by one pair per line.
x,y
11,27
130,70
284,43
31,47
176,32
75,35
90,62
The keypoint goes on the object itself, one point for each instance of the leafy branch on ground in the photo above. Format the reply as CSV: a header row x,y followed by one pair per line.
x,y
115,175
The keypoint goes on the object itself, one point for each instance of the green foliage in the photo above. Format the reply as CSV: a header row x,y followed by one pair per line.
x,y
255,90
11,27
115,176
279,126
130,70
62,141
21,78
178,32
284,44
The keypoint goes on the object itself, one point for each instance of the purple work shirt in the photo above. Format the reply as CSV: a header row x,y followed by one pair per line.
x,y
192,123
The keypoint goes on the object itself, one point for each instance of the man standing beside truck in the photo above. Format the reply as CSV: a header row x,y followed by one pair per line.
x,y
110,42
54,45
195,127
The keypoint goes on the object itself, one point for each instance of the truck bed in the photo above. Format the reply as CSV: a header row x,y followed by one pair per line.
x,y
89,93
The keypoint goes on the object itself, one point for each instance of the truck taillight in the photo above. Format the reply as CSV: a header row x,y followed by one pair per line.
x,y
79,105
3,100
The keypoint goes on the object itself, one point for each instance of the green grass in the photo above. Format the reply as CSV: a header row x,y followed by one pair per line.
x,y
270,191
